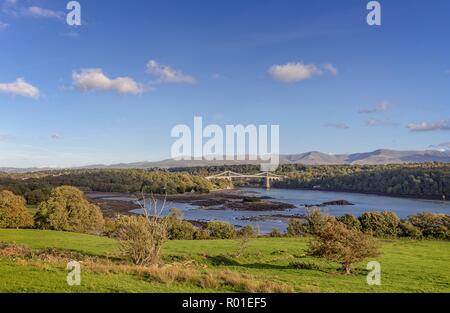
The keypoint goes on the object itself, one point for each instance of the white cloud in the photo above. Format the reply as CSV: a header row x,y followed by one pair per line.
x,y
382,106
298,71
330,68
167,74
95,79
426,126
39,12
20,88
3,26
293,72
373,122
336,125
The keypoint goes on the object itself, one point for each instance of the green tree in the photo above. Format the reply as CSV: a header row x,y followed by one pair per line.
x,y
68,210
336,242
13,212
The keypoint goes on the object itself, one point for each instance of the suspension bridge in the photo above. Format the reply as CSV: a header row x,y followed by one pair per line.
x,y
266,176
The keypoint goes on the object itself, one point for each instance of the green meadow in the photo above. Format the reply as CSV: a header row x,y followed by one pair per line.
x,y
406,265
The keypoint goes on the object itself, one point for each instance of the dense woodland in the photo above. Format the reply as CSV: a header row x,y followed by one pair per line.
x,y
36,187
427,180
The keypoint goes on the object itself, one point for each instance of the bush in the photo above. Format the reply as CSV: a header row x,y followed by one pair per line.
x,y
68,210
350,221
178,229
336,242
275,232
295,228
110,227
247,232
435,226
13,211
201,234
380,224
221,230
406,229
140,238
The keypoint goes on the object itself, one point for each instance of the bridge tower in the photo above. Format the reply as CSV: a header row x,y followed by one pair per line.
x,y
267,181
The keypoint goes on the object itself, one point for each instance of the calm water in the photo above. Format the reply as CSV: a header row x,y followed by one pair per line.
x,y
402,206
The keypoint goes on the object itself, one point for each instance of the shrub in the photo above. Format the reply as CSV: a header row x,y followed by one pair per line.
x,y
13,211
336,242
295,228
381,224
435,226
68,210
247,232
221,230
350,221
406,229
178,229
275,232
201,234
140,238
110,227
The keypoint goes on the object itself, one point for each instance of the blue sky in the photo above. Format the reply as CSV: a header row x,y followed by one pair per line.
x,y
111,89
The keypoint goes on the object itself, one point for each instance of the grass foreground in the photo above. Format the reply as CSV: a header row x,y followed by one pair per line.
x,y
406,266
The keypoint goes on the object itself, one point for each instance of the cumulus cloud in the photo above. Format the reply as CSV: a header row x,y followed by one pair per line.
x,y
382,106
166,74
336,125
294,72
20,88
373,122
427,126
38,12
95,79
298,71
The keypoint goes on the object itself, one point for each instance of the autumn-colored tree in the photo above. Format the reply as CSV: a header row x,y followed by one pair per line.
x,y
339,243
13,211
68,210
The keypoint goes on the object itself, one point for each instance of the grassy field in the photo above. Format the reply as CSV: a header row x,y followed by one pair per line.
x,y
407,266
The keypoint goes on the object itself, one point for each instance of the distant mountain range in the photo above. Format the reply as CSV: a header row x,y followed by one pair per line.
x,y
382,156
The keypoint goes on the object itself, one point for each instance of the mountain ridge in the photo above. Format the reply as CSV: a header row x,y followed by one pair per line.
x,y
380,156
